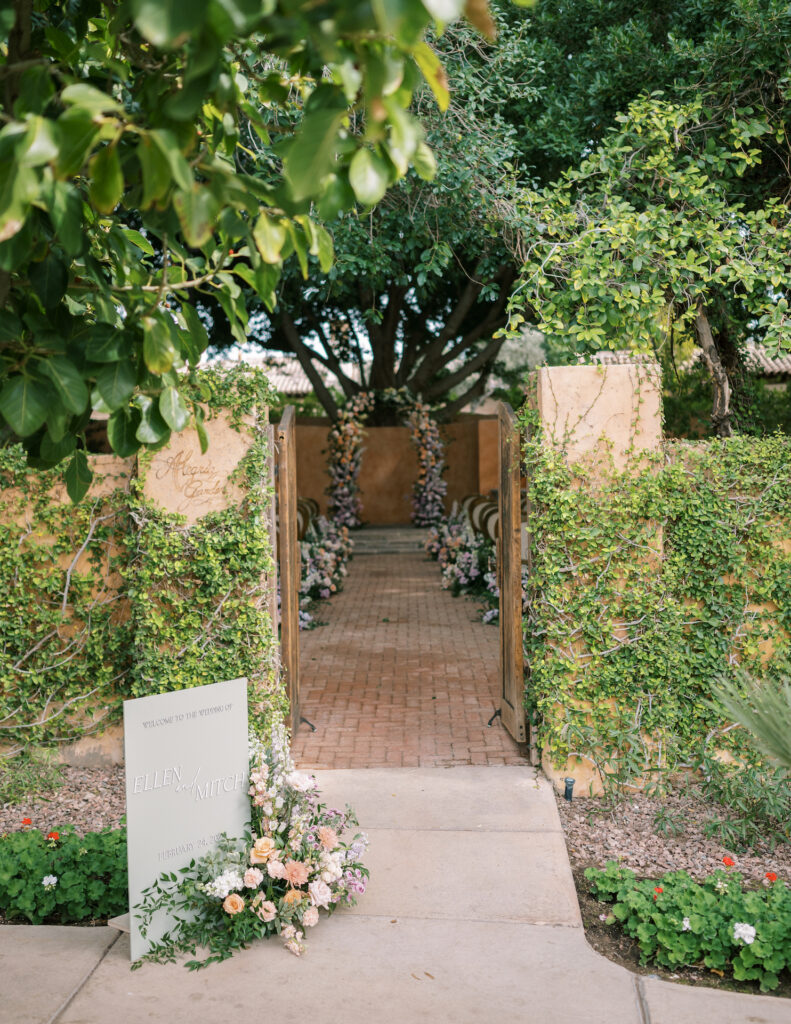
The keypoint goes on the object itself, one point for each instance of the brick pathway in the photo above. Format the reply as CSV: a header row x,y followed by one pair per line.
x,y
403,674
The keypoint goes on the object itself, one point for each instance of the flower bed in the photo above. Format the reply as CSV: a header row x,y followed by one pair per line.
x,y
679,922
274,881
60,877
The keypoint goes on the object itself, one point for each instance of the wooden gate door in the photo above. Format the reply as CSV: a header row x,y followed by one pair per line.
x,y
509,575
290,558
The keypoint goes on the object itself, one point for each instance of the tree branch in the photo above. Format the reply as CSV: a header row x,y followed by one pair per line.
x,y
305,356
720,413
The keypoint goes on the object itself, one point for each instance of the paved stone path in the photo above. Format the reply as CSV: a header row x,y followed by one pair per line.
x,y
403,674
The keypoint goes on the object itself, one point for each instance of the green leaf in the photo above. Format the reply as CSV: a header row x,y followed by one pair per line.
x,y
152,429
158,349
270,236
169,23
40,145
424,162
49,279
69,382
122,431
197,211
203,437
116,383
54,451
139,240
77,134
311,155
65,212
368,176
199,339
167,144
434,73
89,98
156,171
107,179
78,476
24,404
325,248
105,344
173,410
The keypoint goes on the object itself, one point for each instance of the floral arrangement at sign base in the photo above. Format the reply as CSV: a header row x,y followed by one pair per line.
x,y
275,881
344,460
714,923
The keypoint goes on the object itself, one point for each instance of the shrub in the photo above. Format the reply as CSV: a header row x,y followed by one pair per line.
x,y
63,877
678,921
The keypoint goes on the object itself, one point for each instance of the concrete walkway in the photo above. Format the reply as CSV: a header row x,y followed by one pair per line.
x,y
470,918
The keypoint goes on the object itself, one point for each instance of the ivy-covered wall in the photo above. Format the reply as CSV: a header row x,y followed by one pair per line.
x,y
118,597
646,585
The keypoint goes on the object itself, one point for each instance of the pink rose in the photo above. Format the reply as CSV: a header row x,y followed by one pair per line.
x,y
253,878
275,869
310,917
267,911
320,894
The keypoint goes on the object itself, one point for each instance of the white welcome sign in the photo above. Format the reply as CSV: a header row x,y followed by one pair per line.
x,y
186,783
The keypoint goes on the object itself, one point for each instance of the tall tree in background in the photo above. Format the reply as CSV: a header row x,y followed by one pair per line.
x,y
155,151
418,291
679,216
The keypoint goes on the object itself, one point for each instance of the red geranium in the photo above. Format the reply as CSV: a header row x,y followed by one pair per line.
x,y
27,821
771,876
657,890
53,835
729,862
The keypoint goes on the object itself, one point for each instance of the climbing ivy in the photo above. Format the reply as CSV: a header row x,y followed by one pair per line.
x,y
64,634
198,608
648,585
116,598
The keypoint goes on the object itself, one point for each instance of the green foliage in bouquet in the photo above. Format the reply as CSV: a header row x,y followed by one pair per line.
x,y
63,877
272,881
678,921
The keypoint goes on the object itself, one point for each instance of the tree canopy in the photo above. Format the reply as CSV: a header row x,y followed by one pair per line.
x,y
155,150
419,287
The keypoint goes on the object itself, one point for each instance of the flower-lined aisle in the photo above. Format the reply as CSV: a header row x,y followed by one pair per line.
x,y
344,459
275,881
325,551
468,562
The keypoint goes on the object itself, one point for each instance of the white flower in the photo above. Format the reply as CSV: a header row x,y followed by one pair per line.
x,y
743,931
301,782
320,894
685,925
49,881
226,883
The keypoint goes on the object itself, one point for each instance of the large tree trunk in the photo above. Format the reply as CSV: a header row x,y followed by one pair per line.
x,y
721,406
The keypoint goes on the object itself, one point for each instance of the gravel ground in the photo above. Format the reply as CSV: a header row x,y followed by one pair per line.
x,y
93,798
90,799
628,834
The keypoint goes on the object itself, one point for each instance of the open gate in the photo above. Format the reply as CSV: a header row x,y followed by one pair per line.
x,y
509,575
289,558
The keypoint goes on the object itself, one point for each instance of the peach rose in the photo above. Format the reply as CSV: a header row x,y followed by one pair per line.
x,y
262,850
292,896
296,872
233,904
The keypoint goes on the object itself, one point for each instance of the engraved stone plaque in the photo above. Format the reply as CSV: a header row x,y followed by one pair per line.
x,y
186,783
